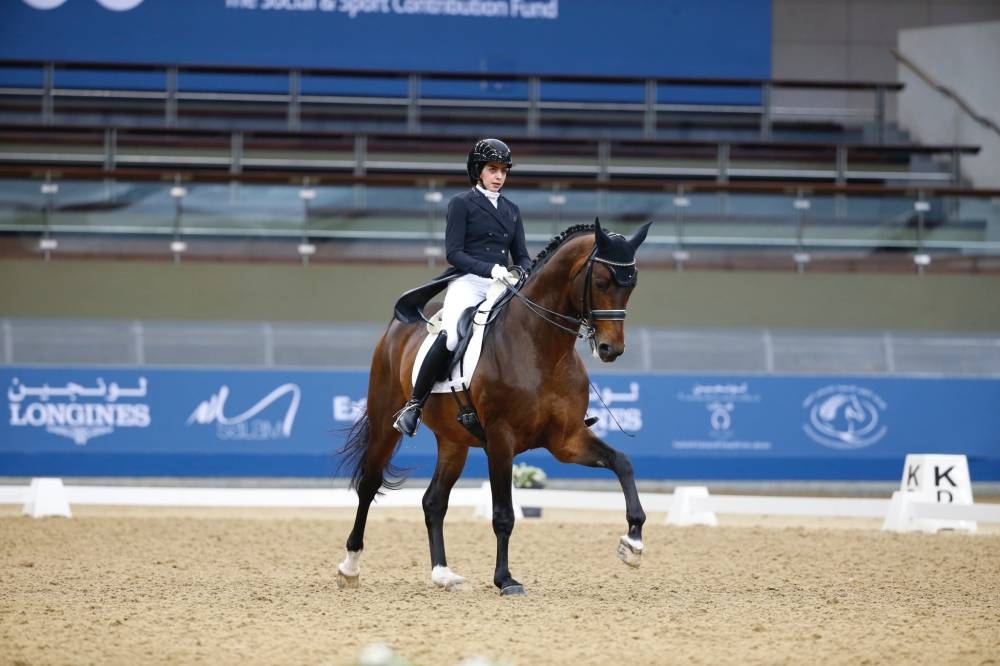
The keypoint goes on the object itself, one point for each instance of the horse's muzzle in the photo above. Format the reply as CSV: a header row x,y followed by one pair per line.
x,y
608,352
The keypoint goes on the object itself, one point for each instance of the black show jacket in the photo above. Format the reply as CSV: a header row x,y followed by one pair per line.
x,y
479,236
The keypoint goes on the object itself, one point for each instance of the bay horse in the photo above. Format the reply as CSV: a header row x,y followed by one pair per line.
x,y
530,389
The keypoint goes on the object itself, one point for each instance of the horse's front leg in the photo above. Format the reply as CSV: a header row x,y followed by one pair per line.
x,y
500,455
589,450
451,461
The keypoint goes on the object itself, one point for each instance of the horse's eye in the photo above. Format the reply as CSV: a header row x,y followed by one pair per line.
x,y
602,283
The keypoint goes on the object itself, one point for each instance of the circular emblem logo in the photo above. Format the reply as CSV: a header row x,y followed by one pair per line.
x,y
845,417
44,4
113,5
119,5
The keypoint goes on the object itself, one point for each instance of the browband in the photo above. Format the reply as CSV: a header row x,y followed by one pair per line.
x,y
618,270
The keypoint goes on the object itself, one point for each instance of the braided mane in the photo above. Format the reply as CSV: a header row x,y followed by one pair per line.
x,y
557,241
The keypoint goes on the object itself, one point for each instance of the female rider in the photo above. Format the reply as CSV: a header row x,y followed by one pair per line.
x,y
484,233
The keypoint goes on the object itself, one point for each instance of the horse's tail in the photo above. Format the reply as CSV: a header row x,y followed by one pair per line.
x,y
355,457
367,452
355,452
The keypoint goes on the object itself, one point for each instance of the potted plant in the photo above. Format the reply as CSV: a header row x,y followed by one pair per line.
x,y
529,476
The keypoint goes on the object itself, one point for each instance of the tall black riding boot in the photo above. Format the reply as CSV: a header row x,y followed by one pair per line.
x,y
435,365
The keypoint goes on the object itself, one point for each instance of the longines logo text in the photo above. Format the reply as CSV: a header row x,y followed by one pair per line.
x,y
77,411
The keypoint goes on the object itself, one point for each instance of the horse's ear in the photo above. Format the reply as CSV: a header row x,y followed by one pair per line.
x,y
639,236
600,235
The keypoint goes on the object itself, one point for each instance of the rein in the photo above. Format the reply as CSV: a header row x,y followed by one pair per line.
x,y
589,314
588,331
541,311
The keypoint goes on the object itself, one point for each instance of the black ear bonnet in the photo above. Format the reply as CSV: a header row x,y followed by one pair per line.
x,y
618,253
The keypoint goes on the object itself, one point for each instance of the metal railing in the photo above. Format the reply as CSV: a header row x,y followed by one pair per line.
x,y
350,346
960,101
317,155
399,215
314,96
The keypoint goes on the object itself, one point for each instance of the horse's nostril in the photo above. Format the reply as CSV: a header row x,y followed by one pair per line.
x,y
604,347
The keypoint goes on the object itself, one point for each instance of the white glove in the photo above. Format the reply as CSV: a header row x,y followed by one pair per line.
x,y
500,273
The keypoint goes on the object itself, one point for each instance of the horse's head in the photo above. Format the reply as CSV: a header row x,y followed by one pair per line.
x,y
609,277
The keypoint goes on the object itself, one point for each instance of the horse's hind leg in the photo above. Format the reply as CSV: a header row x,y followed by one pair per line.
x,y
367,486
588,450
451,461
375,441
349,571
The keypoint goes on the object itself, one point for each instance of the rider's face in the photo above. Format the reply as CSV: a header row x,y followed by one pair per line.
x,y
493,176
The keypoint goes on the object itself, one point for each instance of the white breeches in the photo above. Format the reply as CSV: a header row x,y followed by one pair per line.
x,y
463,292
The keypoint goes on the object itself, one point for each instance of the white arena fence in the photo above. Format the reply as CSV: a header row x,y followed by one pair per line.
x,y
685,506
124,343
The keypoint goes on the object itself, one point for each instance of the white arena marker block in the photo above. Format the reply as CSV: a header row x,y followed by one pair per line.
x,y
682,511
47,497
899,517
933,479
484,507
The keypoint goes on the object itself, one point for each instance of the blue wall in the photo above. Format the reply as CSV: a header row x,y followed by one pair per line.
x,y
666,37
715,38
80,422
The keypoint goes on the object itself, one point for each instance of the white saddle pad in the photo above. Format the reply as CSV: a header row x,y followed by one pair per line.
x,y
461,376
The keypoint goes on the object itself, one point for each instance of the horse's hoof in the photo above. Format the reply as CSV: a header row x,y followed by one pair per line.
x,y
348,582
513,591
630,551
349,571
446,578
457,584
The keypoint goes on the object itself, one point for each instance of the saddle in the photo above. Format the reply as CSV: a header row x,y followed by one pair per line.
x,y
472,327
465,321
473,324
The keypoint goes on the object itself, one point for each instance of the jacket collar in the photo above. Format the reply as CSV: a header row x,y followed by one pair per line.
x,y
485,204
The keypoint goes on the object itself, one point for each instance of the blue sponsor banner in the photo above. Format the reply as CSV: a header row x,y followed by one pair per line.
x,y
798,427
159,422
714,38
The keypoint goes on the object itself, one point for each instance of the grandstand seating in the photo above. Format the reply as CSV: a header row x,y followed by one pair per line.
x,y
418,101
318,154
727,178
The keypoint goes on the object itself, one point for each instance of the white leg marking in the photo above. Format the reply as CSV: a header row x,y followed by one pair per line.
x,y
351,566
446,578
630,551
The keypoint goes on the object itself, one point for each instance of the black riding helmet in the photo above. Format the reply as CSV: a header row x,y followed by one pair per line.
x,y
484,152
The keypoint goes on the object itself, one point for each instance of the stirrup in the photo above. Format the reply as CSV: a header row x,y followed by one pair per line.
x,y
408,418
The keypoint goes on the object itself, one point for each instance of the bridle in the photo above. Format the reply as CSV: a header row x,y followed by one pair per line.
x,y
589,314
580,327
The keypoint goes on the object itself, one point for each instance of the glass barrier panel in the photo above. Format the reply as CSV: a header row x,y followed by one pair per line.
x,y
699,220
